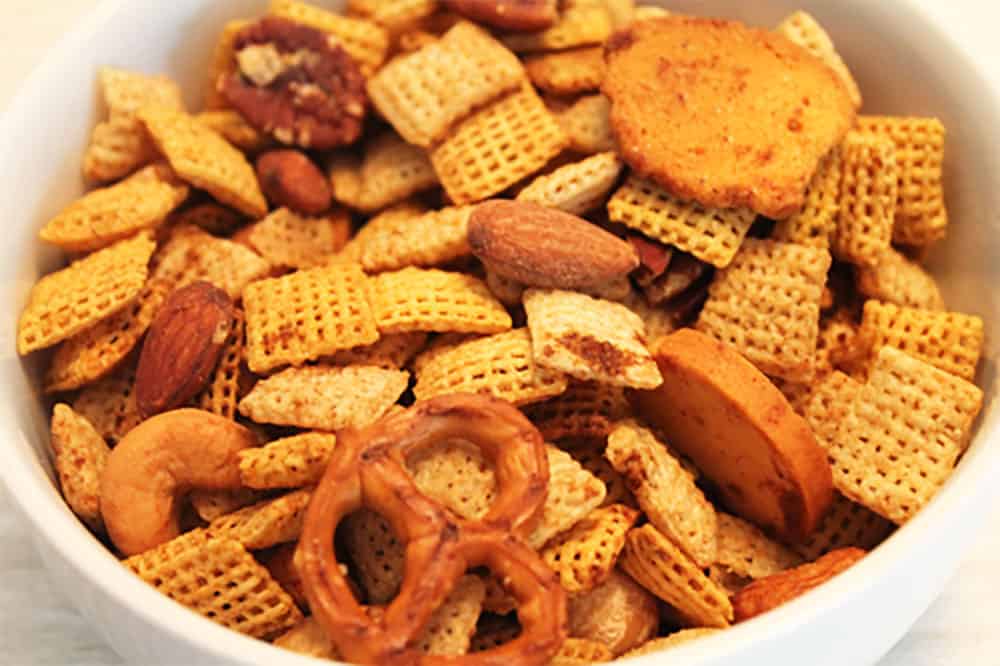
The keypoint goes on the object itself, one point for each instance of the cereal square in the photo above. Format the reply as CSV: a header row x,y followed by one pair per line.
x,y
868,197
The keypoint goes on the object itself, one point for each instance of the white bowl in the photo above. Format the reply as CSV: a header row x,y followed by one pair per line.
x,y
905,65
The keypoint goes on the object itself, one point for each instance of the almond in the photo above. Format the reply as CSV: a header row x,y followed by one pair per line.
x,y
769,593
182,347
290,179
547,248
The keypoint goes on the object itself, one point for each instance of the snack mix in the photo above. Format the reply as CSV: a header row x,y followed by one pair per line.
x,y
556,331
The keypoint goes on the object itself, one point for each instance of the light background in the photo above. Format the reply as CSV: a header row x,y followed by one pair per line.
x,y
38,627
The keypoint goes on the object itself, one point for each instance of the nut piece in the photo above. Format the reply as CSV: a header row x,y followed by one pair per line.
x,y
520,15
182,347
295,84
542,247
290,179
654,258
769,593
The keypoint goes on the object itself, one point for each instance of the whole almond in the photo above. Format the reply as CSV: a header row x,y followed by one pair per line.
x,y
519,15
290,179
544,247
182,347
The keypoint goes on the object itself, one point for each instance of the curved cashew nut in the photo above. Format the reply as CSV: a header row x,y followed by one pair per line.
x,y
157,463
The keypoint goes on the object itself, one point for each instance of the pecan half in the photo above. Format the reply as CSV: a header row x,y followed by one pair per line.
x,y
294,83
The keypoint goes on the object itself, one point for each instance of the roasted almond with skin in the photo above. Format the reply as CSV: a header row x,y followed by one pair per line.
x,y
769,593
547,248
289,178
182,347
519,15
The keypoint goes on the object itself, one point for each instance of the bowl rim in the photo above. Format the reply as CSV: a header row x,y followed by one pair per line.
x,y
90,559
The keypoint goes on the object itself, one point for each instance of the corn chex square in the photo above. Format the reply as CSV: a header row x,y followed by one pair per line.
x,y
229,380
289,240
766,304
587,124
816,223
391,170
580,23
391,351
191,255
376,553
450,628
573,494
804,30
395,15
266,523
80,456
363,40
747,552
290,462
868,198
567,72
589,339
432,239
235,129
584,556
846,524
896,279
109,403
384,223
576,188
585,410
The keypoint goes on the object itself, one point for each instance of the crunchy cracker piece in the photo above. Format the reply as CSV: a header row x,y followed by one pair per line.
x,y
903,434
766,305
896,279
577,651
223,63
109,403
584,556
580,23
589,339
618,613
391,171
868,197
203,158
586,410
569,72
576,188
457,475
308,637
846,525
118,146
659,321
431,239
211,217
126,92
590,455
77,297
376,553
363,40
227,384
213,504
663,569
395,15
389,351
290,462
825,404
265,524
673,640
500,365
951,341
414,299
218,578
587,125
573,493
306,315
423,93
383,223
710,234
497,146
235,129
450,628
921,217
665,490
289,240
805,31
816,223
324,397
192,255
80,455
746,552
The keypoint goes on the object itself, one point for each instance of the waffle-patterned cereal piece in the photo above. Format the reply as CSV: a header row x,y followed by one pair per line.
x,y
573,494
766,305
325,397
290,462
415,299
589,339
389,219
363,40
211,505
951,341
746,552
211,217
868,198
289,240
584,556
191,255
235,129
499,365
816,223
826,403
590,455
457,475
423,93
580,23
80,455
77,297
205,159
569,72
223,63
587,125
586,410
576,188
228,382
710,234
266,523
673,640
805,31
389,351
432,239
218,578
896,279
450,628
497,146
903,434
395,15
665,491
846,525
578,651
109,404
663,569
306,315
921,217
391,171
376,553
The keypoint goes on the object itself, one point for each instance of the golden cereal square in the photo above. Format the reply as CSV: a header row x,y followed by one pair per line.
x,y
868,199
376,553
584,556
576,188
235,129
363,40
573,494
747,552
80,456
826,403
228,381
846,525
391,171
805,31
586,410
896,279
580,23
450,628
579,651
118,146
816,223
395,15
431,239
457,475
125,92
290,462
567,72
587,124
109,403
266,523
287,239
191,255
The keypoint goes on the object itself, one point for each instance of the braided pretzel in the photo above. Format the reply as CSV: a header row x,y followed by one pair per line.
x,y
368,469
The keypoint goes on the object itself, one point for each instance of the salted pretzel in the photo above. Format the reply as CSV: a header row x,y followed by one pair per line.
x,y
368,469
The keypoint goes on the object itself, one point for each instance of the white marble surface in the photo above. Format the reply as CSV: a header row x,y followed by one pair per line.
x,y
38,627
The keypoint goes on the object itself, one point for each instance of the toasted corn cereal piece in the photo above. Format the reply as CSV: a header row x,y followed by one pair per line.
x,y
826,403
619,613
589,339
389,351
109,403
847,524
203,158
393,14
896,279
80,455
285,238
497,146
363,40
308,637
96,351
423,93
500,365
586,410
891,456
391,218
746,552
580,23
439,344
211,505
126,92
493,631
431,239
69,301
839,345
805,31
664,490
816,223
392,170
118,146
218,578
712,235
227,384
868,197
573,494
235,129
325,397
223,63
449,630
587,125
590,455
951,341
497,599
210,217
921,216
673,640
344,173
306,315
576,651
569,72
658,321
414,299
766,305
663,569
457,475
291,462
376,553
265,524
192,255
584,556
576,188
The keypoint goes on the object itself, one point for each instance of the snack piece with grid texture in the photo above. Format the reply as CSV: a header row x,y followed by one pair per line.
x,y
590,454
585,410
288,240
229,382
457,475
109,403
434,238
191,255
390,351
826,403
290,462
587,124
868,197
235,129
389,219
584,556
376,553
80,455
569,72
747,552
576,188
394,15
805,31
391,170
580,23
579,651
896,279
573,494
619,613
816,223
266,523
364,41
450,628
846,525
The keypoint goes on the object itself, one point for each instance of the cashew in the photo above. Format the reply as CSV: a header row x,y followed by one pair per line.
x,y
160,461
